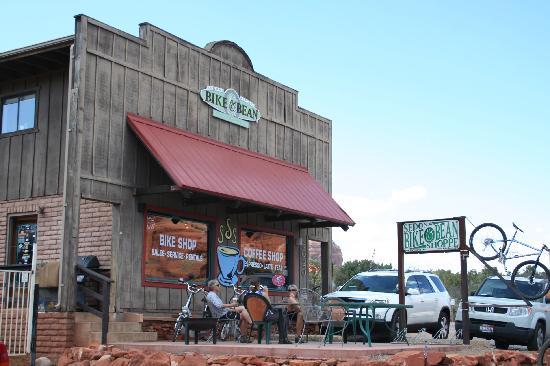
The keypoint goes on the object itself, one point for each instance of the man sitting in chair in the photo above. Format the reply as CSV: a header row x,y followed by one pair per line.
x,y
220,310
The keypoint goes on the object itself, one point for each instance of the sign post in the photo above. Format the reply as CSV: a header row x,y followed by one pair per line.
x,y
435,236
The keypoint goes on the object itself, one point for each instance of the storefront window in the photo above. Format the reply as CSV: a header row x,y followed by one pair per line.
x,y
174,247
266,254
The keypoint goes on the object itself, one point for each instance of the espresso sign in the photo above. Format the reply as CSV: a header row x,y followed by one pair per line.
x,y
174,249
229,106
431,236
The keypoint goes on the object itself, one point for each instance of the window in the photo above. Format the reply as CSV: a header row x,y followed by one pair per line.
x,y
18,113
412,284
424,285
266,254
373,283
22,241
438,283
174,247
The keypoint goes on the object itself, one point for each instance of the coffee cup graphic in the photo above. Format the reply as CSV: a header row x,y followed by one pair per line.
x,y
228,261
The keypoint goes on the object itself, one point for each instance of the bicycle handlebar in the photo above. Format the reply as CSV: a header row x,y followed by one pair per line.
x,y
190,286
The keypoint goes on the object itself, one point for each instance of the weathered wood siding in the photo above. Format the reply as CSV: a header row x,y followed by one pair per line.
x,y
31,162
160,76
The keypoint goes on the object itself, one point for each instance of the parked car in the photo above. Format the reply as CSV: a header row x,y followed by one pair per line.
x,y
497,313
426,293
4,358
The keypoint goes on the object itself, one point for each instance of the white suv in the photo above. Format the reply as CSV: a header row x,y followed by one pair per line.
x,y
497,313
424,291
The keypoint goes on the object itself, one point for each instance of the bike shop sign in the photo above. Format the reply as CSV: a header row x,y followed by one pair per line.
x,y
431,236
230,106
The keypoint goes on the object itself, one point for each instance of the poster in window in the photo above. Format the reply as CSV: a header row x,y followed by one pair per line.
x,y
266,255
174,248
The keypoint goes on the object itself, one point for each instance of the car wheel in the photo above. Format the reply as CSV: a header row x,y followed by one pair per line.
x,y
394,329
441,331
537,340
501,345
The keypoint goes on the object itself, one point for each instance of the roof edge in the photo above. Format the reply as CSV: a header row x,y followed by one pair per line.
x,y
37,48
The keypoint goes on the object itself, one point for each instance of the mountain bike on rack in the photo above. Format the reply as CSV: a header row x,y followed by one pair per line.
x,y
489,242
185,312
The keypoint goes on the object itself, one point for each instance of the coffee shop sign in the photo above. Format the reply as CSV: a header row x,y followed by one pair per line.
x,y
431,236
229,106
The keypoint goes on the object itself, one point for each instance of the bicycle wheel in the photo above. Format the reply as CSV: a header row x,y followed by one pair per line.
x,y
543,357
177,330
488,241
532,279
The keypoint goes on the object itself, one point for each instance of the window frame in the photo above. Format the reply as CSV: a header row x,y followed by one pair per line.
x,y
4,97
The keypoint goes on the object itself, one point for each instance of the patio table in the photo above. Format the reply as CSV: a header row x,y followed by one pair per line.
x,y
361,315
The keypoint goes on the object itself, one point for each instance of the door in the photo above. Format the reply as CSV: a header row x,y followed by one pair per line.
x,y
412,297
430,300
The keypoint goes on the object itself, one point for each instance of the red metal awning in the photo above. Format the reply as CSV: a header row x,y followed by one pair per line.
x,y
205,165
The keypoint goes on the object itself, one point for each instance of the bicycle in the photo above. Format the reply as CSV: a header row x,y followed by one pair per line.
x,y
489,242
185,312
231,327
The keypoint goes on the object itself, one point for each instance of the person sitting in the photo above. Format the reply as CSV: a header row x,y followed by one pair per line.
x,y
294,311
221,311
280,313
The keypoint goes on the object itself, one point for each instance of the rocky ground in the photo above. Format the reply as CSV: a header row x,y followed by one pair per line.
x,y
110,356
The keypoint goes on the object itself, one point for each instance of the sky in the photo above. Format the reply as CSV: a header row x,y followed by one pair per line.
x,y
439,109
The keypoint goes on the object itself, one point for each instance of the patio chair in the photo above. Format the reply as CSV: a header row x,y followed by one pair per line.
x,y
335,320
311,310
258,306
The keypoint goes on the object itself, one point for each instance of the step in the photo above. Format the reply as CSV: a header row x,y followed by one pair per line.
x,y
115,317
117,327
116,337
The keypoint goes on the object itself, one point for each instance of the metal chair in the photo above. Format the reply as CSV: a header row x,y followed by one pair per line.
x,y
335,320
311,310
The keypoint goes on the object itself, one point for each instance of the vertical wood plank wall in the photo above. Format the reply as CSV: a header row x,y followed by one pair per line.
x,y
32,162
160,76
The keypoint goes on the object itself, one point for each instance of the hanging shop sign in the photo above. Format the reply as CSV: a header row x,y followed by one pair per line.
x,y
229,106
443,235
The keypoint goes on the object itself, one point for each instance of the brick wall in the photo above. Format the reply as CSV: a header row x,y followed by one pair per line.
x,y
96,227
96,222
54,333
49,224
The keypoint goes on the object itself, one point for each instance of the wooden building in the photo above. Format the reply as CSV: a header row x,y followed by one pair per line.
x,y
153,153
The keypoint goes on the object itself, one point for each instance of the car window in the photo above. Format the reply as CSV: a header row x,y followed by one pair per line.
x,y
411,284
424,285
374,283
497,288
438,283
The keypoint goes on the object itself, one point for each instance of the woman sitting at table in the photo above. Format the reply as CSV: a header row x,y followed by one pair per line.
x,y
294,311
280,313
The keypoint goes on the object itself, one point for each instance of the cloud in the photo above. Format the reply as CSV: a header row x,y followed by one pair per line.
x,y
375,231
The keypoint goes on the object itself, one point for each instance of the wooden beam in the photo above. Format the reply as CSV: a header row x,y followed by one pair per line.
x,y
285,217
245,210
156,190
323,224
203,200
